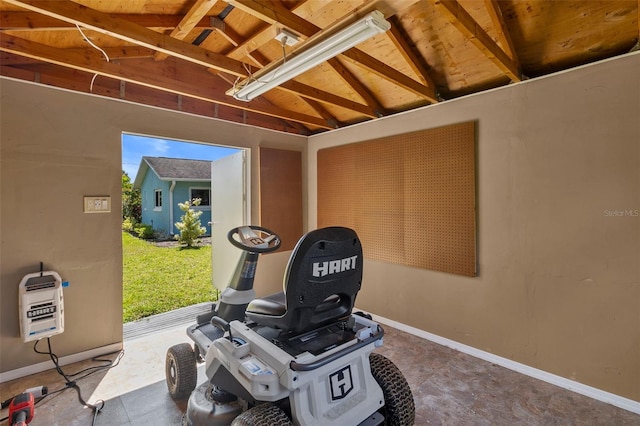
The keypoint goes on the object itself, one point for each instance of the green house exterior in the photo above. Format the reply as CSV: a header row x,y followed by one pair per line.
x,y
165,182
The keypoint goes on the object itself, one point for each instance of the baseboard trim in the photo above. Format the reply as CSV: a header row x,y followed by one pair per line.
x,y
69,359
589,391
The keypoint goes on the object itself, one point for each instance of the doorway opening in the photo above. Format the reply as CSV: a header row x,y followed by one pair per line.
x,y
160,179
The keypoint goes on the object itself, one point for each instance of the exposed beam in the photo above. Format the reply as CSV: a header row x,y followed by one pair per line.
x,y
114,53
368,97
107,24
32,21
198,11
404,48
504,37
638,21
232,37
124,30
79,81
274,13
170,76
465,23
260,38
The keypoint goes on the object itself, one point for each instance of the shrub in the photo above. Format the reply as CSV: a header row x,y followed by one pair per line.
x,y
145,232
128,224
131,200
190,227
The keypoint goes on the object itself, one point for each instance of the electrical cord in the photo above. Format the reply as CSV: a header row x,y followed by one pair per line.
x,y
71,379
97,48
252,78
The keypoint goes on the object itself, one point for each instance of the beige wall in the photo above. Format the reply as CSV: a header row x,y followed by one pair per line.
x,y
56,147
559,283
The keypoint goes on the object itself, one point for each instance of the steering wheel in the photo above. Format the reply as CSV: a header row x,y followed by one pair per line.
x,y
255,239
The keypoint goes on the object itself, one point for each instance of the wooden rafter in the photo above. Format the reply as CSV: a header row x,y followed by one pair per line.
x,y
258,39
124,30
465,23
198,11
638,21
504,37
114,53
276,14
233,38
371,101
165,78
404,48
32,21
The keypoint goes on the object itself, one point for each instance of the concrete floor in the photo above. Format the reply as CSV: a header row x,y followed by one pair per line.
x,y
449,388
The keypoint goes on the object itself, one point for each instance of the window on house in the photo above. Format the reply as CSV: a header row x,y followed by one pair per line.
x,y
203,193
158,204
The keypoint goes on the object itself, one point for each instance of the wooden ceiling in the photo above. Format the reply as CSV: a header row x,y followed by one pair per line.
x,y
185,54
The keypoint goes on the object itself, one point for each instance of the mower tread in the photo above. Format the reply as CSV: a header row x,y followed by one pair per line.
x,y
399,408
263,415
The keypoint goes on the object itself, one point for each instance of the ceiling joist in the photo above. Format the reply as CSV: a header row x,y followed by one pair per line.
x,y
504,37
174,77
465,23
104,23
32,21
124,30
189,22
407,53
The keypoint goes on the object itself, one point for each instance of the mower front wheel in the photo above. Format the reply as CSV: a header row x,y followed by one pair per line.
x,y
263,415
181,371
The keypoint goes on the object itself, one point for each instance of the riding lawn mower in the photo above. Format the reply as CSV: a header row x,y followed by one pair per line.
x,y
298,357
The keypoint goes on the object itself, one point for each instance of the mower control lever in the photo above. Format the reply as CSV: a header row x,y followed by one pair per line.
x,y
218,322
223,325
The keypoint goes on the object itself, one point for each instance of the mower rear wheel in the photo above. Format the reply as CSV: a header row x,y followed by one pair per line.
x,y
263,415
399,408
181,371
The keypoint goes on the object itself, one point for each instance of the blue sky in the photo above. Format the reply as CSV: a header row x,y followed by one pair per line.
x,y
134,147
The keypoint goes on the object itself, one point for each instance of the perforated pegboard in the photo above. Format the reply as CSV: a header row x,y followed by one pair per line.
x,y
411,198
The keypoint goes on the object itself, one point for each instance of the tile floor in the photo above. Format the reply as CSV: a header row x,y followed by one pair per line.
x,y
449,388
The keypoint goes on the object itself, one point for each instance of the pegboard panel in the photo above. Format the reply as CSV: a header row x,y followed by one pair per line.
x,y
411,198
281,194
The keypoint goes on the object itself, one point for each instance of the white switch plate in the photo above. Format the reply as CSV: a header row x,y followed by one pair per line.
x,y
98,204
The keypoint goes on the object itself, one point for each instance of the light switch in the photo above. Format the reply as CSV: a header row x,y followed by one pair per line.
x,y
99,204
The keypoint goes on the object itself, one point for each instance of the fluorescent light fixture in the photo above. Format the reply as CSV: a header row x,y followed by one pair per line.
x,y
371,24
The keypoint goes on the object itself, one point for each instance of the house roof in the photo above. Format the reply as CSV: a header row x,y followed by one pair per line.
x,y
186,55
178,169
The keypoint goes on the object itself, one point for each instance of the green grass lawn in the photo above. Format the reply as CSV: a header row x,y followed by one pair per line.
x,y
160,279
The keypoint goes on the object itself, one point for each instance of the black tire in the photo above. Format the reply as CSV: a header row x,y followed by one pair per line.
x,y
181,371
399,408
263,415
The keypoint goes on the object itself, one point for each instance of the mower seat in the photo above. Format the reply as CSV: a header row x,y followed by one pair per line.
x,y
322,278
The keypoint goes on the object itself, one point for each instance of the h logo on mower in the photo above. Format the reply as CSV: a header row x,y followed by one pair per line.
x,y
341,383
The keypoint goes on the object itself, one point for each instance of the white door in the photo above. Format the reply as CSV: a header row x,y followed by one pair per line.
x,y
229,209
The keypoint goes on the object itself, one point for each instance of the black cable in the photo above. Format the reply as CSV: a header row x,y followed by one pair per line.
x,y
70,379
